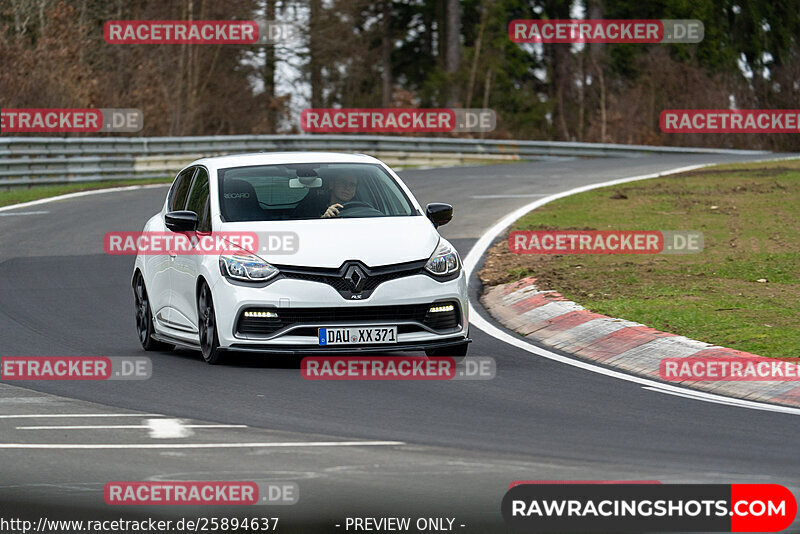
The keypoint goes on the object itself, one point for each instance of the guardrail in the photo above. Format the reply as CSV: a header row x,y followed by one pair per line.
x,y
54,160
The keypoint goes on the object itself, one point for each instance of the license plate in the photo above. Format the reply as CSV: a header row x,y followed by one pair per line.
x,y
354,335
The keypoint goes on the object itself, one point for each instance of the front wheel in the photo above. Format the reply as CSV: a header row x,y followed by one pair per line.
x,y
144,318
207,327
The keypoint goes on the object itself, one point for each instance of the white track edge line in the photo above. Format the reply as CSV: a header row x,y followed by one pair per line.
x,y
118,427
689,395
77,415
473,257
197,445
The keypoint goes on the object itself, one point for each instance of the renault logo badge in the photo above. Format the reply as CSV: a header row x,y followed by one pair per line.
x,y
356,277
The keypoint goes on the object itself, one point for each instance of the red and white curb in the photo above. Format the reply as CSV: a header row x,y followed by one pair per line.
x,y
548,318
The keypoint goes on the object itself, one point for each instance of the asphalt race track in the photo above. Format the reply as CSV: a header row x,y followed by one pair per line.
x,y
355,448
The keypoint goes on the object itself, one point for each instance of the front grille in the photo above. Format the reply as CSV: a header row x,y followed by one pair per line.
x,y
335,278
350,314
341,285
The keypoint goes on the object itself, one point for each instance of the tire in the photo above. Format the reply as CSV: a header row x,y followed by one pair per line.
x,y
207,327
144,318
456,351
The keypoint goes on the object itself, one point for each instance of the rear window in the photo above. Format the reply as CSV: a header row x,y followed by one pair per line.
x,y
307,191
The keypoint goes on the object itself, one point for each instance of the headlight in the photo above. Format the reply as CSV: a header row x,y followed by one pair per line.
x,y
246,266
444,261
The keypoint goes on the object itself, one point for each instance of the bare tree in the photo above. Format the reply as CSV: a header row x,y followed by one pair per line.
x,y
315,50
452,48
476,55
596,52
386,53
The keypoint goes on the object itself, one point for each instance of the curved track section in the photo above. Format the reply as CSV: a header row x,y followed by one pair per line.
x,y
433,448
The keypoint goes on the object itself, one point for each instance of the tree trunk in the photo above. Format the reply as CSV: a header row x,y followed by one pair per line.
x,y
268,75
582,94
315,66
486,90
452,48
559,58
596,52
386,54
476,55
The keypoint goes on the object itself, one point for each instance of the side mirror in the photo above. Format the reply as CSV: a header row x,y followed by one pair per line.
x,y
439,214
181,221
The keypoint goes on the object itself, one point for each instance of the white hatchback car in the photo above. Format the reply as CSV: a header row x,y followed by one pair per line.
x,y
366,271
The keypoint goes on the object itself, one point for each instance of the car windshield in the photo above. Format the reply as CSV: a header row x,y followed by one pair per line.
x,y
310,191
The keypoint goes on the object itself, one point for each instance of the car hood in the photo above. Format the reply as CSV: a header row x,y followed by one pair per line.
x,y
330,242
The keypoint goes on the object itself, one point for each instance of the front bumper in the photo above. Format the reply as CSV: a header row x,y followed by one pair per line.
x,y
231,300
336,349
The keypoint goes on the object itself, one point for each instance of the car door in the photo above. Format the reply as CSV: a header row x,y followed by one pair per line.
x,y
186,267
158,266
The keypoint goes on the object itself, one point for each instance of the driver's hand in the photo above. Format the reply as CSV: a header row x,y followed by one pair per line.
x,y
332,211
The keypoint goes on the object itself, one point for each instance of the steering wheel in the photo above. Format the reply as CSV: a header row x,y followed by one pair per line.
x,y
357,208
356,204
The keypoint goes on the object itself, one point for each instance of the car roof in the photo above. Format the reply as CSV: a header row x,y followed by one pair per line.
x,y
277,158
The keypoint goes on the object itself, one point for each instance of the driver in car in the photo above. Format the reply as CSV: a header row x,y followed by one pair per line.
x,y
343,189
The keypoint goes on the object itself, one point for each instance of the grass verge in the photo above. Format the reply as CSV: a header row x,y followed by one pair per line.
x,y
17,195
749,217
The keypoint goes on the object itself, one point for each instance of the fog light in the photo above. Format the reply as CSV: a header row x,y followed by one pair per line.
x,y
260,314
446,308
